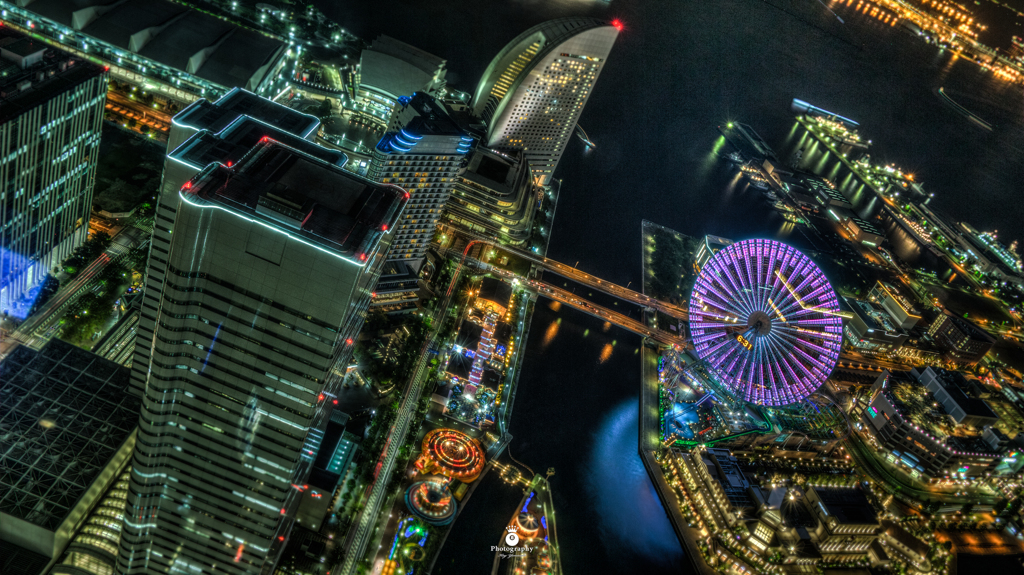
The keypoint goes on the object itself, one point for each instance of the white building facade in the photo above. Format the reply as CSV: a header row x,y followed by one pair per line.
x,y
532,94
259,278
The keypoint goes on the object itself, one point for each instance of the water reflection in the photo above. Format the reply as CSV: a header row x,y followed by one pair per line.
x,y
630,514
551,332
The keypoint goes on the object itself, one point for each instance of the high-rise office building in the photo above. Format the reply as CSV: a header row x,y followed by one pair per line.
x,y
533,92
259,278
51,112
219,132
423,152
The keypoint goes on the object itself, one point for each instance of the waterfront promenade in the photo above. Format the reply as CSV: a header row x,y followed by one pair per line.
x,y
649,444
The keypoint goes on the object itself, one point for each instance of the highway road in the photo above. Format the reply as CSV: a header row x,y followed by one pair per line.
x,y
606,314
581,277
358,539
570,299
570,272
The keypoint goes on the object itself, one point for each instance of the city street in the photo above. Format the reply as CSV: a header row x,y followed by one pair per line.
x,y
158,122
358,539
37,329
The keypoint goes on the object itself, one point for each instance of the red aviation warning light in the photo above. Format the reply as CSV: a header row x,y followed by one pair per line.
x,y
617,24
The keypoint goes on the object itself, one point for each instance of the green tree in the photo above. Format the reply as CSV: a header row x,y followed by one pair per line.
x,y
324,109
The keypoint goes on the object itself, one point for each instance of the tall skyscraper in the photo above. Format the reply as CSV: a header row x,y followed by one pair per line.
x,y
262,273
219,132
534,90
51,112
423,152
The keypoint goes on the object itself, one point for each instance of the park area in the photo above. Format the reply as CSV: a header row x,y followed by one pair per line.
x,y
668,263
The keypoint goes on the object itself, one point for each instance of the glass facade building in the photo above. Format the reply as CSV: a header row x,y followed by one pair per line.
x,y
66,432
51,112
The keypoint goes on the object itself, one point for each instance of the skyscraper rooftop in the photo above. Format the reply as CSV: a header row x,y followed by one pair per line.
x,y
32,72
286,190
215,116
230,144
65,415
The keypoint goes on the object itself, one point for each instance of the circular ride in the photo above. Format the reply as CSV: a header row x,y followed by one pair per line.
x,y
453,454
431,501
766,322
528,525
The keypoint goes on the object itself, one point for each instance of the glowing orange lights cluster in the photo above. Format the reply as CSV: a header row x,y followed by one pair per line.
x,y
453,454
431,500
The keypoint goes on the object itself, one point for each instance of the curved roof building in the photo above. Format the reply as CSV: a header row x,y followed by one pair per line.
x,y
189,50
534,90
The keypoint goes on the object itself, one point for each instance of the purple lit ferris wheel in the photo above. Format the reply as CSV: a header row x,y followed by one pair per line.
x,y
766,322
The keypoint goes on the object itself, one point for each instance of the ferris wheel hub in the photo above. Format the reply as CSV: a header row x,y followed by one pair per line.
x,y
759,323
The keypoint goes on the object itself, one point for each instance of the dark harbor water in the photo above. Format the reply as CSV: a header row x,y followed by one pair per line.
x,y
576,411
679,69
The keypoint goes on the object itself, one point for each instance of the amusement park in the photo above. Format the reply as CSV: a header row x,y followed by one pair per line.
x,y
766,331
750,450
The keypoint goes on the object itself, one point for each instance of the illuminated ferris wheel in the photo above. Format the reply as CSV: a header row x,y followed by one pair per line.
x,y
766,322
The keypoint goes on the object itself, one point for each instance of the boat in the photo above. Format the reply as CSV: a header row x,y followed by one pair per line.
x,y
771,196
734,157
758,182
583,137
964,111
